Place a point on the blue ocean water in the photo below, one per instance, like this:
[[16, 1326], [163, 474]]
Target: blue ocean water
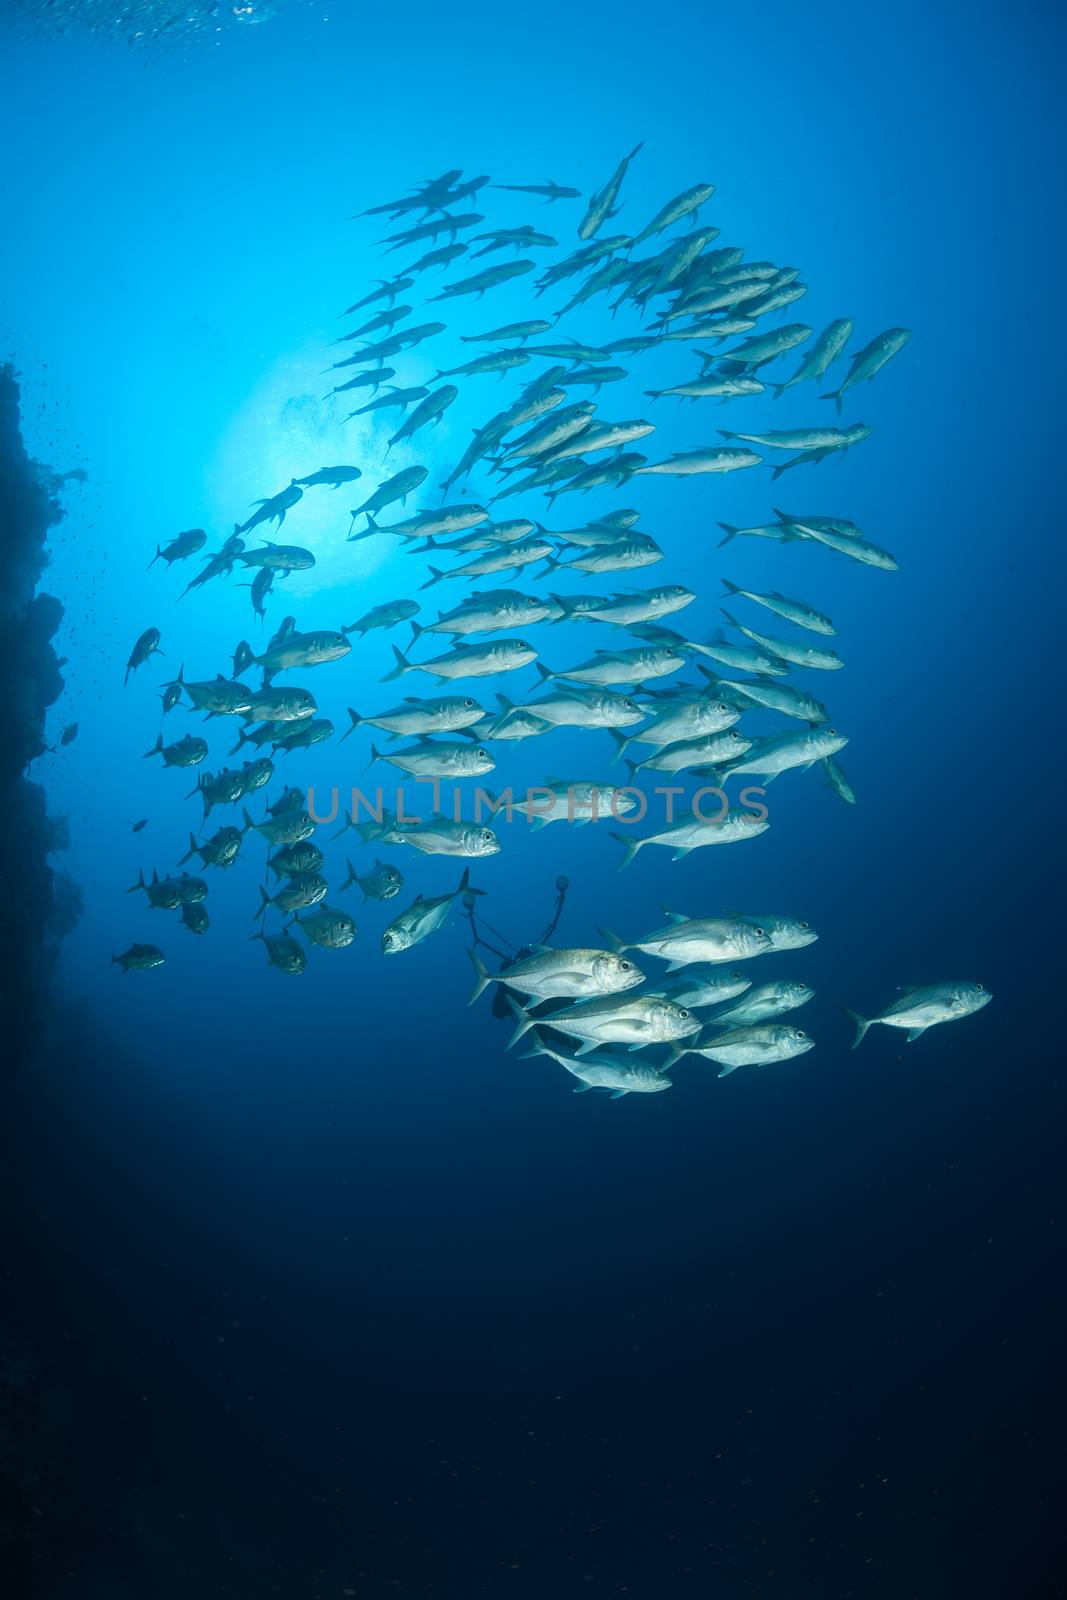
[[370, 1304]]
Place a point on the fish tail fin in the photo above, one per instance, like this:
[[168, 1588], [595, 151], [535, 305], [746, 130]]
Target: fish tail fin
[[248, 820], [677, 1052], [630, 848], [622, 744], [356, 720], [151, 564], [416, 629], [862, 1024], [402, 665], [612, 940], [729, 530], [632, 767], [465, 884], [835, 396], [731, 588], [190, 852], [264, 904], [483, 978], [353, 875], [140, 884], [437, 576], [525, 1021], [545, 672], [156, 748], [375, 755]]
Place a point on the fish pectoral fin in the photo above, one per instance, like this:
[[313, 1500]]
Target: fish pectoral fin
[[915, 1033]]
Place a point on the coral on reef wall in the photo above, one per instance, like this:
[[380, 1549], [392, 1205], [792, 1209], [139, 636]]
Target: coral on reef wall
[[30, 681]]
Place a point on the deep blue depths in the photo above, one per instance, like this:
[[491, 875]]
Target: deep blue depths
[[449, 1329]]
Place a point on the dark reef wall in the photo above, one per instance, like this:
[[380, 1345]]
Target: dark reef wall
[[36, 908]]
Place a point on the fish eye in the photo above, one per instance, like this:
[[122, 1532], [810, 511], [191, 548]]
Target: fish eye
[[978, 988], [624, 966], [483, 754], [487, 835], [723, 708], [832, 732], [803, 925], [468, 705], [761, 933], [683, 1013], [797, 1034]]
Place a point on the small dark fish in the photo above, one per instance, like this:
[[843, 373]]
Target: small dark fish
[[188, 752], [221, 850], [273, 509], [147, 645], [171, 697], [139, 958], [551, 191], [398, 487], [430, 410], [290, 799], [481, 281], [384, 319], [365, 380], [259, 589], [334, 477], [381, 883], [441, 257], [69, 734], [293, 859], [184, 545], [135, 827], [395, 397], [243, 656], [219, 565], [386, 615], [283, 952], [430, 230], [390, 288]]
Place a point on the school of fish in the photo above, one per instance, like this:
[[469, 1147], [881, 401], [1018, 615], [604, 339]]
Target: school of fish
[[681, 988]]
